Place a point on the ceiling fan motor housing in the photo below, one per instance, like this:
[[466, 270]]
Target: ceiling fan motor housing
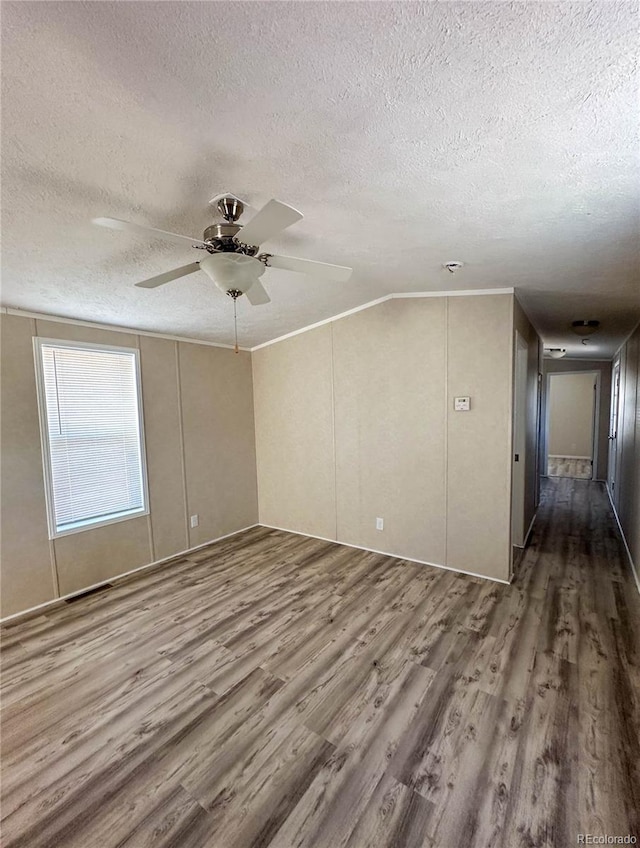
[[221, 236]]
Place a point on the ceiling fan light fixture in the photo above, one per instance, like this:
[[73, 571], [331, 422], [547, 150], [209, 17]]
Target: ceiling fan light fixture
[[232, 271], [585, 328], [556, 352], [232, 261]]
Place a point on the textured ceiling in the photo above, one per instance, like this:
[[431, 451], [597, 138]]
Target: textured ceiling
[[504, 135]]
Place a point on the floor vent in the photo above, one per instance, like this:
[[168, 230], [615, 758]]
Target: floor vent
[[88, 592]]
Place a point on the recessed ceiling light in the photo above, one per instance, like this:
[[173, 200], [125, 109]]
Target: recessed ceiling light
[[584, 328]]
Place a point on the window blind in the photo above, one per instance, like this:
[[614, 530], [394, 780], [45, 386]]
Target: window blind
[[93, 428]]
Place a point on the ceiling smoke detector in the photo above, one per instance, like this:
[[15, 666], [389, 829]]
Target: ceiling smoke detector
[[585, 328], [453, 266], [556, 352]]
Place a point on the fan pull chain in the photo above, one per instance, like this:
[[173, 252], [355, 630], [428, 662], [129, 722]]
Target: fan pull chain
[[234, 294], [235, 325]]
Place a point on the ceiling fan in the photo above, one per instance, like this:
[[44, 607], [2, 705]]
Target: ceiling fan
[[234, 261]]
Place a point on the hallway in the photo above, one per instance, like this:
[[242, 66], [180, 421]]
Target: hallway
[[276, 690], [584, 694]]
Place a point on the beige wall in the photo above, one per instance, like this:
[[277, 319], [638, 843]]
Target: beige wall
[[26, 574], [571, 400], [200, 446], [603, 367], [390, 413], [219, 440], [480, 364], [293, 390], [355, 420], [626, 495], [531, 473]]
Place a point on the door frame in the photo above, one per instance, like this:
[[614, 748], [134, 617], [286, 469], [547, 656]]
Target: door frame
[[520, 416], [612, 471], [594, 423]]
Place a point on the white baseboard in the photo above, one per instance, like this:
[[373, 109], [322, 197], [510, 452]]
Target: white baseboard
[[624, 539], [528, 533], [388, 553], [41, 607]]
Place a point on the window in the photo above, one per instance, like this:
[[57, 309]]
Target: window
[[91, 426]]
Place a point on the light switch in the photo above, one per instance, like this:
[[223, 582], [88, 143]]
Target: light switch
[[462, 404]]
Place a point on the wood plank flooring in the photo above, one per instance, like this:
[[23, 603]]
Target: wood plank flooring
[[274, 690]]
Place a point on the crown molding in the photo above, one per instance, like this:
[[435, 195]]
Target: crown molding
[[371, 303], [457, 293], [323, 322], [41, 316], [78, 322]]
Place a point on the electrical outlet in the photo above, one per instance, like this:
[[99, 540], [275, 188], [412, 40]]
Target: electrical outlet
[[195, 520], [379, 523]]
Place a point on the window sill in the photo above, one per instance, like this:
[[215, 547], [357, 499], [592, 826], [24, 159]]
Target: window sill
[[93, 524]]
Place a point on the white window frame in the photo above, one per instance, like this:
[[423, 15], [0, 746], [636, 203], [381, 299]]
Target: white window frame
[[89, 523]]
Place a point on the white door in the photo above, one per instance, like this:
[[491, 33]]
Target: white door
[[518, 474], [613, 430]]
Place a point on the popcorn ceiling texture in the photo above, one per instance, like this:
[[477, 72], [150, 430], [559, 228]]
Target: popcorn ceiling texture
[[502, 134]]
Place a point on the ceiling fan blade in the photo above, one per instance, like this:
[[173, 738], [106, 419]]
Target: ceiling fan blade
[[339, 273], [127, 226], [268, 222], [161, 279], [257, 294]]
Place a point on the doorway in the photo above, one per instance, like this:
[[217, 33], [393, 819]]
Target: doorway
[[572, 400], [613, 429]]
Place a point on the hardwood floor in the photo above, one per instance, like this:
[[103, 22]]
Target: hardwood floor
[[274, 690]]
